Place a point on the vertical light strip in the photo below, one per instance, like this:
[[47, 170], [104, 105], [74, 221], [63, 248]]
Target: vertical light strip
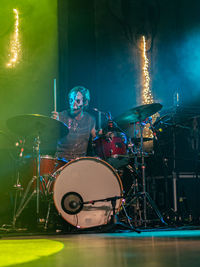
[[15, 44], [147, 97]]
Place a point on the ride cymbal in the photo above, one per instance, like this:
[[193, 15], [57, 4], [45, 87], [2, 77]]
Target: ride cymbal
[[36, 125], [138, 114]]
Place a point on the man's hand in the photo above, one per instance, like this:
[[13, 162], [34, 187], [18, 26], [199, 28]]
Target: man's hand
[[95, 133], [55, 115]]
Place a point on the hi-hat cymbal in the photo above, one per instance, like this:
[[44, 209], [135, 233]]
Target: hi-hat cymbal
[[138, 114], [36, 125]]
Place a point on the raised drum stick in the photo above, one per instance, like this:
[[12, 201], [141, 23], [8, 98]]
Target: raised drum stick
[[99, 119], [55, 96]]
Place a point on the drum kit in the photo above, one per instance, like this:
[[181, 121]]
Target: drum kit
[[90, 191]]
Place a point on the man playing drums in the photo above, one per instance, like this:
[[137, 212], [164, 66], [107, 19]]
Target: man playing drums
[[80, 123]]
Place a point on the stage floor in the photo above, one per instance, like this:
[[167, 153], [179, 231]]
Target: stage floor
[[152, 248]]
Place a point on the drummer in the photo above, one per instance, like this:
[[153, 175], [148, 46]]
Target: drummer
[[81, 125]]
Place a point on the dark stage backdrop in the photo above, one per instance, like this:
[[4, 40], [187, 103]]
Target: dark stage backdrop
[[98, 48]]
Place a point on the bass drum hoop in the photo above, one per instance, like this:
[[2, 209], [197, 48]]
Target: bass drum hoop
[[68, 217]]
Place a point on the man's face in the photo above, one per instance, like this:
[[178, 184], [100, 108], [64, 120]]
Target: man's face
[[75, 102]]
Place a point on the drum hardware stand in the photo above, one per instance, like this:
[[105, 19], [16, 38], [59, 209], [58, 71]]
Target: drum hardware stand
[[132, 192], [174, 174], [53, 176], [47, 217], [17, 186], [145, 194], [114, 221], [134, 187], [25, 200]]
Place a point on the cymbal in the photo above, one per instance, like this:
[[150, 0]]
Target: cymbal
[[138, 114], [36, 125]]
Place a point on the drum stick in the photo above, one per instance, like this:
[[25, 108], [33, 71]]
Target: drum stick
[[99, 119], [55, 96]]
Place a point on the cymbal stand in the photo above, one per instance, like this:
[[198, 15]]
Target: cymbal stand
[[26, 199], [17, 186], [37, 149], [133, 168], [144, 193], [143, 173]]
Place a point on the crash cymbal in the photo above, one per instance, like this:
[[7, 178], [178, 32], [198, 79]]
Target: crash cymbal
[[138, 114], [36, 125]]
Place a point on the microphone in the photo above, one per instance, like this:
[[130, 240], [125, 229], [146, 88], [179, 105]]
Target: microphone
[[99, 111]]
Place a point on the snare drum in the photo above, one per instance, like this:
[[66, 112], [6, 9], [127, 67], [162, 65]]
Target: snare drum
[[85, 180], [110, 145]]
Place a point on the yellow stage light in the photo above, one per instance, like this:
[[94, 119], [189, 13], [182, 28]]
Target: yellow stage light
[[15, 43], [13, 252], [147, 97]]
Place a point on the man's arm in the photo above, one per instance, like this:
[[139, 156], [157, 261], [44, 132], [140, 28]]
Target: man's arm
[[93, 132]]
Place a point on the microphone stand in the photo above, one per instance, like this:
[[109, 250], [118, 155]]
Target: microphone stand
[[99, 116], [114, 219]]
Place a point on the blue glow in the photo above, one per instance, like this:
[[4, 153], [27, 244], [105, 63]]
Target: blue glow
[[189, 56], [179, 233]]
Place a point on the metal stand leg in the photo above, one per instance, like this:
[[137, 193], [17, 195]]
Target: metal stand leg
[[47, 217], [174, 180], [144, 190], [114, 219], [128, 218], [37, 149], [24, 201], [146, 196]]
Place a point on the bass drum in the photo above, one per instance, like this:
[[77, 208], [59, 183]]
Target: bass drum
[[86, 180]]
